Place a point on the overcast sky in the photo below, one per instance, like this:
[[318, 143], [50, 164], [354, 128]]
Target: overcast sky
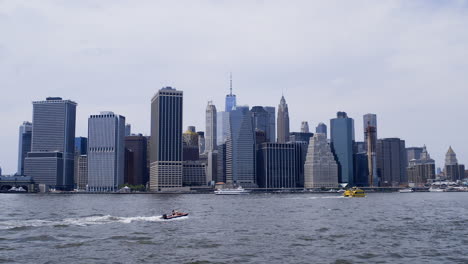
[[406, 61]]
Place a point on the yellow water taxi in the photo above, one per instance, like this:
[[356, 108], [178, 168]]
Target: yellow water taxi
[[354, 192]]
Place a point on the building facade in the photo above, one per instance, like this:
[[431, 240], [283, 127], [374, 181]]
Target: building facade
[[24, 145], [283, 121], [194, 173], [322, 129], [370, 145], [342, 143], [240, 148], [82, 173], [391, 162], [321, 168], [413, 153], [453, 170], [136, 171], [191, 145], [211, 129], [53, 135], [277, 165], [166, 139], [421, 170], [106, 152]]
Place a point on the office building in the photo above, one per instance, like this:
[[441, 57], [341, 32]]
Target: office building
[[222, 127], [194, 173], [296, 137], [240, 148], [361, 170], [51, 160], [128, 130], [264, 120], [421, 170], [453, 171], [277, 165], [136, 171], [106, 152], [211, 129], [322, 129], [81, 148], [391, 162], [271, 132], [283, 121], [24, 145], [305, 127], [342, 143], [166, 139], [370, 144], [221, 164], [82, 173], [321, 168], [413, 153], [191, 146]]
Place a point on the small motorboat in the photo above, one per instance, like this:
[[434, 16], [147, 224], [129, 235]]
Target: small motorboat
[[174, 214]]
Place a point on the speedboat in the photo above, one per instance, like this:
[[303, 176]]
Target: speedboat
[[354, 192], [174, 214], [238, 190], [406, 190]]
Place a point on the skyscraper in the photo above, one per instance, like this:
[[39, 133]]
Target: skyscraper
[[222, 127], [370, 144], [322, 129], [391, 162], [321, 168], [81, 148], [230, 98], [271, 132], [283, 121], [51, 160], [305, 127], [190, 144], [106, 151], [137, 173], [128, 130], [421, 170], [277, 165], [201, 142], [211, 130], [240, 148], [453, 170], [166, 139], [342, 142], [24, 145], [413, 153], [264, 120]]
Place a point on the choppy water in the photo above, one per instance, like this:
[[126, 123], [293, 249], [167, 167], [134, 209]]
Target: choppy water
[[256, 228]]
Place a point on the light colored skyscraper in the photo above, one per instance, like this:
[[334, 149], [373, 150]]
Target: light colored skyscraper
[[106, 151], [222, 127], [51, 160], [342, 142], [24, 145], [166, 139], [453, 171], [211, 129], [421, 170], [240, 148], [322, 129], [321, 168], [283, 121], [305, 127]]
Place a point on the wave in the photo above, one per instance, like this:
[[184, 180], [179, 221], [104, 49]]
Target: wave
[[81, 221]]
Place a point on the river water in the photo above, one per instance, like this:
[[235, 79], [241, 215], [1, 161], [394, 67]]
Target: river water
[[255, 228]]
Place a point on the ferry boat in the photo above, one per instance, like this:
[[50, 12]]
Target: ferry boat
[[228, 191], [354, 192], [406, 190]]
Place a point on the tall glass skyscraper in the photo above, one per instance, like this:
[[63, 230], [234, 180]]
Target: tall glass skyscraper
[[24, 145], [211, 129], [230, 98], [166, 139], [240, 148], [342, 142], [51, 160], [106, 151]]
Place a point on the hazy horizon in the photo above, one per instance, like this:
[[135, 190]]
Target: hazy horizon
[[405, 61]]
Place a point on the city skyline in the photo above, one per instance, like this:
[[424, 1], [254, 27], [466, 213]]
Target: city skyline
[[389, 79]]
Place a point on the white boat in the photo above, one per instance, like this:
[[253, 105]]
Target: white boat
[[406, 190], [340, 191], [228, 191], [436, 190]]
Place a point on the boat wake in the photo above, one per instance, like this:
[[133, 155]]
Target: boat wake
[[81, 221]]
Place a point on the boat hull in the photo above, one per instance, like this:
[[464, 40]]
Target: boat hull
[[169, 217]]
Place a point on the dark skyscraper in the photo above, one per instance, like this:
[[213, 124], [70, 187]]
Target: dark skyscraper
[[421, 170], [271, 133], [81, 148], [262, 119], [370, 144], [277, 165], [342, 142], [166, 139], [230, 98], [51, 160], [190, 144], [322, 129], [391, 162], [283, 121], [24, 145], [137, 172], [453, 170]]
